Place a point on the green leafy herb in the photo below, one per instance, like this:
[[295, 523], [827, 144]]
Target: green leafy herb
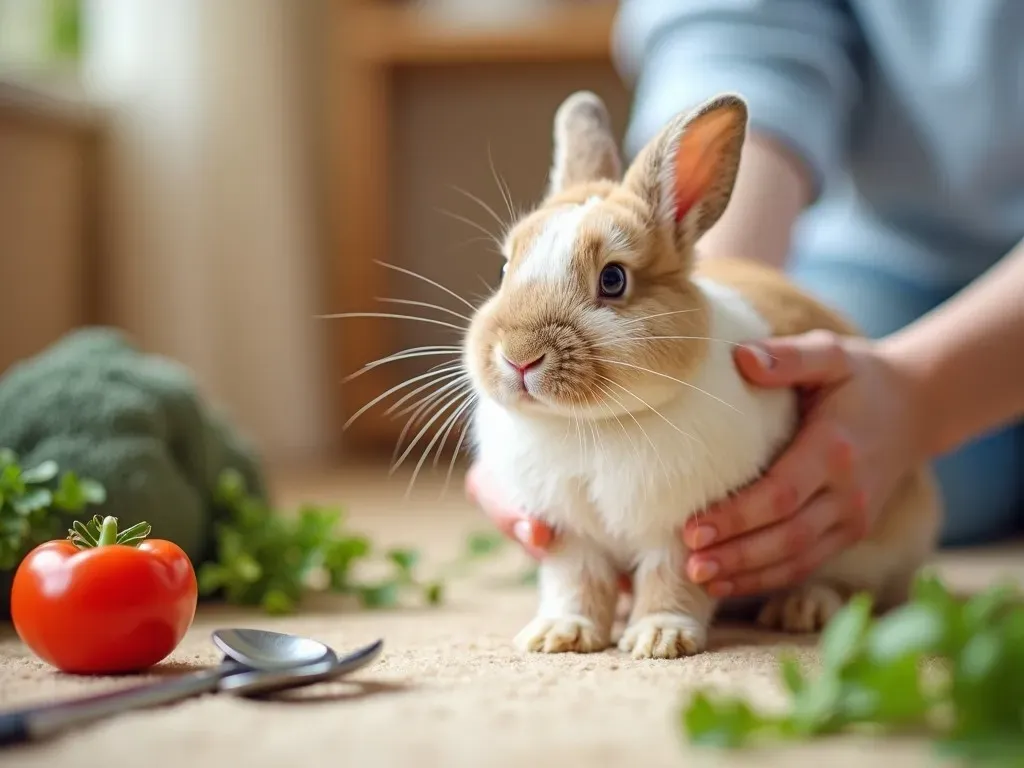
[[949, 667], [272, 559], [29, 499]]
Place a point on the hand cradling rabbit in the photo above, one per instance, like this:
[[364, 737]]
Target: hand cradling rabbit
[[608, 402]]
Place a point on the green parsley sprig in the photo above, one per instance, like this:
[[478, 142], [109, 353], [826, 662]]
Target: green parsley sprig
[[267, 558], [28, 498], [950, 668]]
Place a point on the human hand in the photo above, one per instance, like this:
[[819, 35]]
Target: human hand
[[534, 536], [859, 433]]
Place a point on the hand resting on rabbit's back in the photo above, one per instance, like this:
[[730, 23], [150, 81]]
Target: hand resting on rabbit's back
[[608, 401]]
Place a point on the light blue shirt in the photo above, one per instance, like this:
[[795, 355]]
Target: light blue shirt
[[909, 113]]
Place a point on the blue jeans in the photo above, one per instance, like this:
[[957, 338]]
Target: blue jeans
[[983, 481]]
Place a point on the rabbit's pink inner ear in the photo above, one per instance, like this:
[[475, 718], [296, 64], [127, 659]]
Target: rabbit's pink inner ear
[[707, 159]]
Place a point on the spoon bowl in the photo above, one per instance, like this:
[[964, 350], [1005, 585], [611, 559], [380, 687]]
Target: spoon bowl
[[267, 651], [263, 683]]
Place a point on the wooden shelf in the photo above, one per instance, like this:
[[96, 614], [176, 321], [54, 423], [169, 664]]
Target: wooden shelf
[[372, 39], [397, 35]]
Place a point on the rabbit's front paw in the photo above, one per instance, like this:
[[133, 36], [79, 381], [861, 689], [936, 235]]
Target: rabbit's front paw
[[566, 634], [664, 636], [807, 608]]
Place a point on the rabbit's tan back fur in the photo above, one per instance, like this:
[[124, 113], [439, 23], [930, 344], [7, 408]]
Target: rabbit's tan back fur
[[616, 415]]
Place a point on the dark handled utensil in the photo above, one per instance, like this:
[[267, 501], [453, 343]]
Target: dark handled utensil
[[247, 652]]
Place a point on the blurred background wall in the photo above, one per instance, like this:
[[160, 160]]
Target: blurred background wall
[[210, 175]]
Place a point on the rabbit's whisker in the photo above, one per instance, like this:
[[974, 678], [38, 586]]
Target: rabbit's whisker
[[506, 193], [452, 400], [665, 375], [428, 305], [636, 450], [655, 411], [635, 320], [406, 354], [423, 406], [455, 457], [470, 223], [640, 426], [501, 223], [466, 401], [676, 338], [387, 315], [427, 280], [453, 378], [407, 382]]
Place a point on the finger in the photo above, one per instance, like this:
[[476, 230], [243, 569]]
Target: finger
[[625, 583], [534, 536], [788, 573], [817, 357], [819, 456], [768, 546]]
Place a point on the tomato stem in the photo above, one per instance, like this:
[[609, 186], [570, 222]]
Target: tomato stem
[[108, 532], [102, 532]]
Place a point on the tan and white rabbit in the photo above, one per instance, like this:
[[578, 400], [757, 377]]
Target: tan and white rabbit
[[609, 403]]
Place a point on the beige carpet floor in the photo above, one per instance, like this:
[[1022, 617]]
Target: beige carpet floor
[[450, 689]]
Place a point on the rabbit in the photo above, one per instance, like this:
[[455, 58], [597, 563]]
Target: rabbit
[[608, 402]]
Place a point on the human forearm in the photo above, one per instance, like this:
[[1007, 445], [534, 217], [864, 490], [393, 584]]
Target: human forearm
[[772, 189], [963, 361], [795, 64]]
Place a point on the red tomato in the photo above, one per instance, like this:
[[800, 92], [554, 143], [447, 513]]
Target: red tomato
[[101, 602]]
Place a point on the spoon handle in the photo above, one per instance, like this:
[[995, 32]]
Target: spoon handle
[[38, 722]]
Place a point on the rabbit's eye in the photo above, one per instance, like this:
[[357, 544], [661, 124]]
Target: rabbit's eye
[[612, 283], [504, 269]]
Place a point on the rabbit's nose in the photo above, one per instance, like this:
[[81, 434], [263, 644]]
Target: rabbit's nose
[[522, 366]]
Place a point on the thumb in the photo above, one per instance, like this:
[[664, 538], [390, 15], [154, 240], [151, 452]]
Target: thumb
[[817, 357]]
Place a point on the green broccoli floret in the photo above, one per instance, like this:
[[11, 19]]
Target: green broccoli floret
[[135, 422]]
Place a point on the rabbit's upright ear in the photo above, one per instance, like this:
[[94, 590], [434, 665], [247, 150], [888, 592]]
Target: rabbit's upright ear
[[585, 149], [686, 174]]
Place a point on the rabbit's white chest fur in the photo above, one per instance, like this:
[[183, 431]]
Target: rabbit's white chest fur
[[628, 484]]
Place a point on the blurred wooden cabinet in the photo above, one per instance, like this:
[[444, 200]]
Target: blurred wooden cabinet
[[421, 108], [48, 227]]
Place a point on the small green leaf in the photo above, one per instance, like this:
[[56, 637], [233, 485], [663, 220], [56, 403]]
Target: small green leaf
[[912, 629], [981, 609], [383, 595], [43, 473], [700, 716], [68, 495], [277, 602], [10, 480], [481, 544], [93, 492], [792, 675], [842, 638], [728, 723], [211, 577], [814, 709], [246, 568], [433, 593], [35, 500], [230, 486], [404, 559], [7, 458], [980, 657]]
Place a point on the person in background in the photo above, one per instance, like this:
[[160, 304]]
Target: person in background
[[884, 172]]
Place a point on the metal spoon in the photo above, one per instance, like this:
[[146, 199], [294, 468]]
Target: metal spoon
[[245, 649], [262, 683]]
